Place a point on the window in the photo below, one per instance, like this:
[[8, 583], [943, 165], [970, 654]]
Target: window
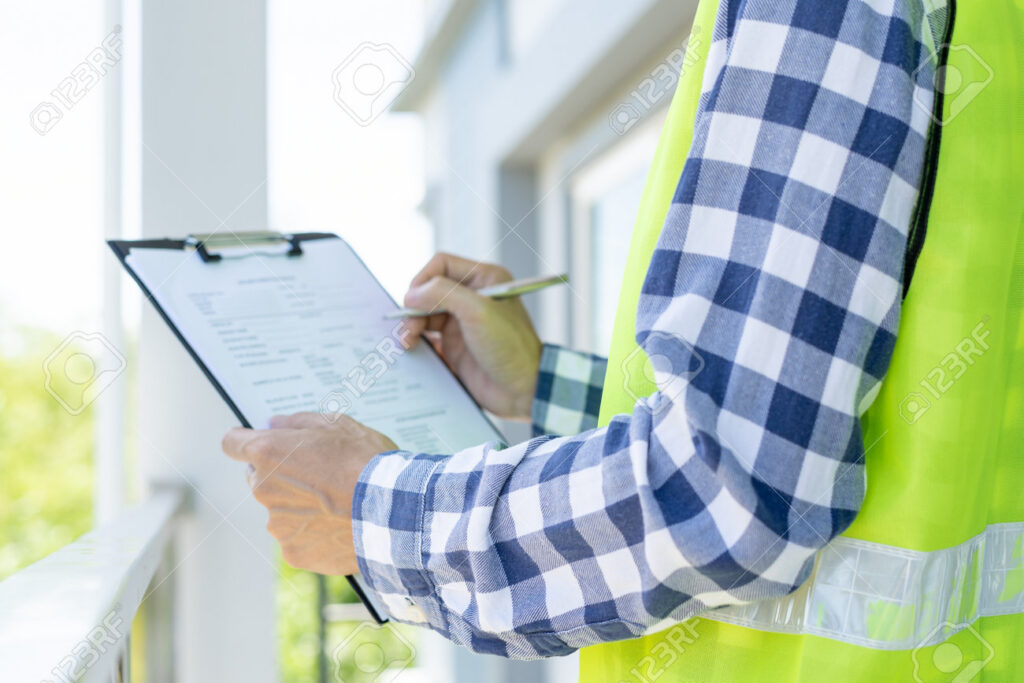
[[524, 21], [605, 198]]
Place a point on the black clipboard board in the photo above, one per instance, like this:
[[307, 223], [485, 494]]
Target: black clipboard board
[[206, 247]]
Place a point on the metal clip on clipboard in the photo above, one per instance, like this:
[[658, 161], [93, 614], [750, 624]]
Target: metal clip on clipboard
[[207, 244]]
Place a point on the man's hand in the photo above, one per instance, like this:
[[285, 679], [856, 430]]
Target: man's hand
[[491, 345], [305, 471]]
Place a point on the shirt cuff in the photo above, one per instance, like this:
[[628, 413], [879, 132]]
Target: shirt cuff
[[387, 532], [569, 387]]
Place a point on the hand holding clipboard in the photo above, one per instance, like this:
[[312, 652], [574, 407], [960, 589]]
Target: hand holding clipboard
[[290, 323]]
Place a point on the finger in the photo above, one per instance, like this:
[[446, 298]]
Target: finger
[[260, 447], [305, 420], [444, 265], [284, 524], [234, 442], [414, 328], [437, 343], [267, 490], [440, 292], [344, 423], [473, 274], [409, 334], [436, 323]]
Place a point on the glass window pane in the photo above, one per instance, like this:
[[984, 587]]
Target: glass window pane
[[611, 220]]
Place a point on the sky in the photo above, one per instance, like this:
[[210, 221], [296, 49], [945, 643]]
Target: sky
[[326, 172], [50, 185]]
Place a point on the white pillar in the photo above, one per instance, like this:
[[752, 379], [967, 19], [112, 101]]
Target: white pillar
[[204, 168], [108, 500]]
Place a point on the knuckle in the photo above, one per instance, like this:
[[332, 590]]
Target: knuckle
[[256, 448], [498, 273], [305, 419], [434, 264], [289, 555], [275, 526], [432, 291], [425, 292], [411, 296], [345, 424], [259, 492]]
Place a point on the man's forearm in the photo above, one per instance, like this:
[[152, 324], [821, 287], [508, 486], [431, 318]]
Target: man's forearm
[[776, 271]]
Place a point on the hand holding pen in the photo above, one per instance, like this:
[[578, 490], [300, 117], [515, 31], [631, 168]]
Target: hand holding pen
[[472, 314]]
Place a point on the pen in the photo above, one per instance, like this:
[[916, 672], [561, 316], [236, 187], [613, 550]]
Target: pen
[[505, 290]]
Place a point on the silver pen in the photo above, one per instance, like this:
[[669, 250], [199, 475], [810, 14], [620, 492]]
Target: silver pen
[[505, 290]]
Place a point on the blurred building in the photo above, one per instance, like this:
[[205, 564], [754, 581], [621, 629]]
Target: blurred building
[[542, 117]]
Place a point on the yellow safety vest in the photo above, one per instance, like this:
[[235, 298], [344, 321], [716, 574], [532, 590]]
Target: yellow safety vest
[[928, 582]]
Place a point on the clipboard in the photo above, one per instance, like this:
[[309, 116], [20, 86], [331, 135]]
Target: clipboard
[[209, 251], [212, 249]]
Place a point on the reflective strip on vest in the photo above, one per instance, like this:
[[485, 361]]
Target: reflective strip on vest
[[889, 598]]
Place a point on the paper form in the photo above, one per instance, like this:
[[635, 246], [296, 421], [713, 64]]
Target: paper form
[[287, 334]]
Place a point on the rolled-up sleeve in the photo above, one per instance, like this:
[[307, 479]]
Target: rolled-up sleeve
[[769, 312]]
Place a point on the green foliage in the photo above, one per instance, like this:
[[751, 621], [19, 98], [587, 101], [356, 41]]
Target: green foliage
[[356, 651], [359, 652], [46, 472], [46, 485], [298, 636]]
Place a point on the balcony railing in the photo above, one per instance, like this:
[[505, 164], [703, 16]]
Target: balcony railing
[[68, 617]]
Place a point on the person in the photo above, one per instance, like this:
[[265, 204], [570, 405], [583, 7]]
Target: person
[[809, 520]]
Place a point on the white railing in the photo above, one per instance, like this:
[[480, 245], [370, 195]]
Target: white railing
[[67, 618]]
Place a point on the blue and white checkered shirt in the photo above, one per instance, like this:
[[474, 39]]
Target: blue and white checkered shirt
[[771, 303]]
